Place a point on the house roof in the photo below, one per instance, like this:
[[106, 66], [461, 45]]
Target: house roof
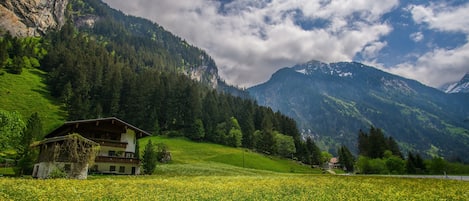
[[67, 126], [63, 138]]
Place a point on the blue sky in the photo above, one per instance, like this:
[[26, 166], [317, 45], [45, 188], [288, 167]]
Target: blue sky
[[250, 40]]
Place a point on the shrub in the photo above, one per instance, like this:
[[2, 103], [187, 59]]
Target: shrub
[[162, 154], [57, 173]]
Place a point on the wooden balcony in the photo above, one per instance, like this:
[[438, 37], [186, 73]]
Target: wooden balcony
[[110, 143], [113, 159]]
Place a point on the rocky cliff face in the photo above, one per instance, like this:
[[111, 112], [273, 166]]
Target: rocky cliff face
[[32, 17]]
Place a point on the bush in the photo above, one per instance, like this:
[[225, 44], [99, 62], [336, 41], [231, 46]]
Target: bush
[[372, 166], [163, 155], [57, 173], [395, 165], [438, 166]]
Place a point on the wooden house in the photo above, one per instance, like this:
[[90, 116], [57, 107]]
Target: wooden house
[[117, 142]]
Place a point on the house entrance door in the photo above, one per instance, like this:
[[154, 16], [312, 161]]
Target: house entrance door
[[133, 170]]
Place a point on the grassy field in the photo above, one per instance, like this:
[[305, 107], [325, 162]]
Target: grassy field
[[7, 171], [203, 171], [274, 186], [27, 93], [187, 152]]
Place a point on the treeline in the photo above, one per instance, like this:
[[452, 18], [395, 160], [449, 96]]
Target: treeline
[[116, 69], [94, 78], [92, 82], [381, 155], [18, 53]]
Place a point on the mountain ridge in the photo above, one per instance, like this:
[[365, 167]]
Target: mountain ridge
[[333, 101], [26, 18]]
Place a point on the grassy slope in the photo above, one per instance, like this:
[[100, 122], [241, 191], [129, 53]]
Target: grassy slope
[[192, 158], [26, 94]]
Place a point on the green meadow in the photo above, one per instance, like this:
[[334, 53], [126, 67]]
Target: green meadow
[[219, 159], [26, 93]]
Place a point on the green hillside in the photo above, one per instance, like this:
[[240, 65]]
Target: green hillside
[[26, 94], [193, 158]]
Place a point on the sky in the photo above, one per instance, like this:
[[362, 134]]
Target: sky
[[250, 40]]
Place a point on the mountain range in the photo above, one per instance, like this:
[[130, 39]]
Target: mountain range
[[330, 102], [333, 101]]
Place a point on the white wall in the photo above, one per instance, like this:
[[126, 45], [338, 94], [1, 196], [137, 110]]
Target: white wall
[[129, 137], [105, 168], [42, 170], [104, 150]]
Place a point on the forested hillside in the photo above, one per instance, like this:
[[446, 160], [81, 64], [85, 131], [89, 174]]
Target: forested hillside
[[103, 63], [333, 101]]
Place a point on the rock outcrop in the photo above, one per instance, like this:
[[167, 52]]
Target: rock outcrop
[[32, 17]]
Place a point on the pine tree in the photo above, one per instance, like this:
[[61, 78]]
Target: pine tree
[[149, 158], [268, 140], [410, 164], [196, 132], [377, 144], [392, 146], [32, 132], [363, 143], [314, 152], [346, 158], [4, 56]]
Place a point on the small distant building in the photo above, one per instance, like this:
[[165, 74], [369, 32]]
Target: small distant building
[[334, 163], [110, 144]]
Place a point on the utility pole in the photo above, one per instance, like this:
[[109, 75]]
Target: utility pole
[[243, 157]]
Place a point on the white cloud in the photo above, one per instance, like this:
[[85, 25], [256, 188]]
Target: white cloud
[[439, 66], [417, 36], [442, 17], [253, 39]]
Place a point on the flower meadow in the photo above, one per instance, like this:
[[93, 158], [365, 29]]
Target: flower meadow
[[251, 187]]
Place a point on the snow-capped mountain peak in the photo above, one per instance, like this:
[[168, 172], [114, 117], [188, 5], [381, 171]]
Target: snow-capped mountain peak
[[459, 87], [333, 69]]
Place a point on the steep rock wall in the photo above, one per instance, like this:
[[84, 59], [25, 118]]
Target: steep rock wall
[[32, 17]]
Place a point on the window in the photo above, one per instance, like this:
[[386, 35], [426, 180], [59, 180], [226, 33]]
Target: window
[[67, 167], [121, 169], [115, 138], [112, 153], [129, 154], [112, 168]]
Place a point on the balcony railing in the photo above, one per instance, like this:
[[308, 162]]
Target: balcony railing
[[110, 143], [113, 159]]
